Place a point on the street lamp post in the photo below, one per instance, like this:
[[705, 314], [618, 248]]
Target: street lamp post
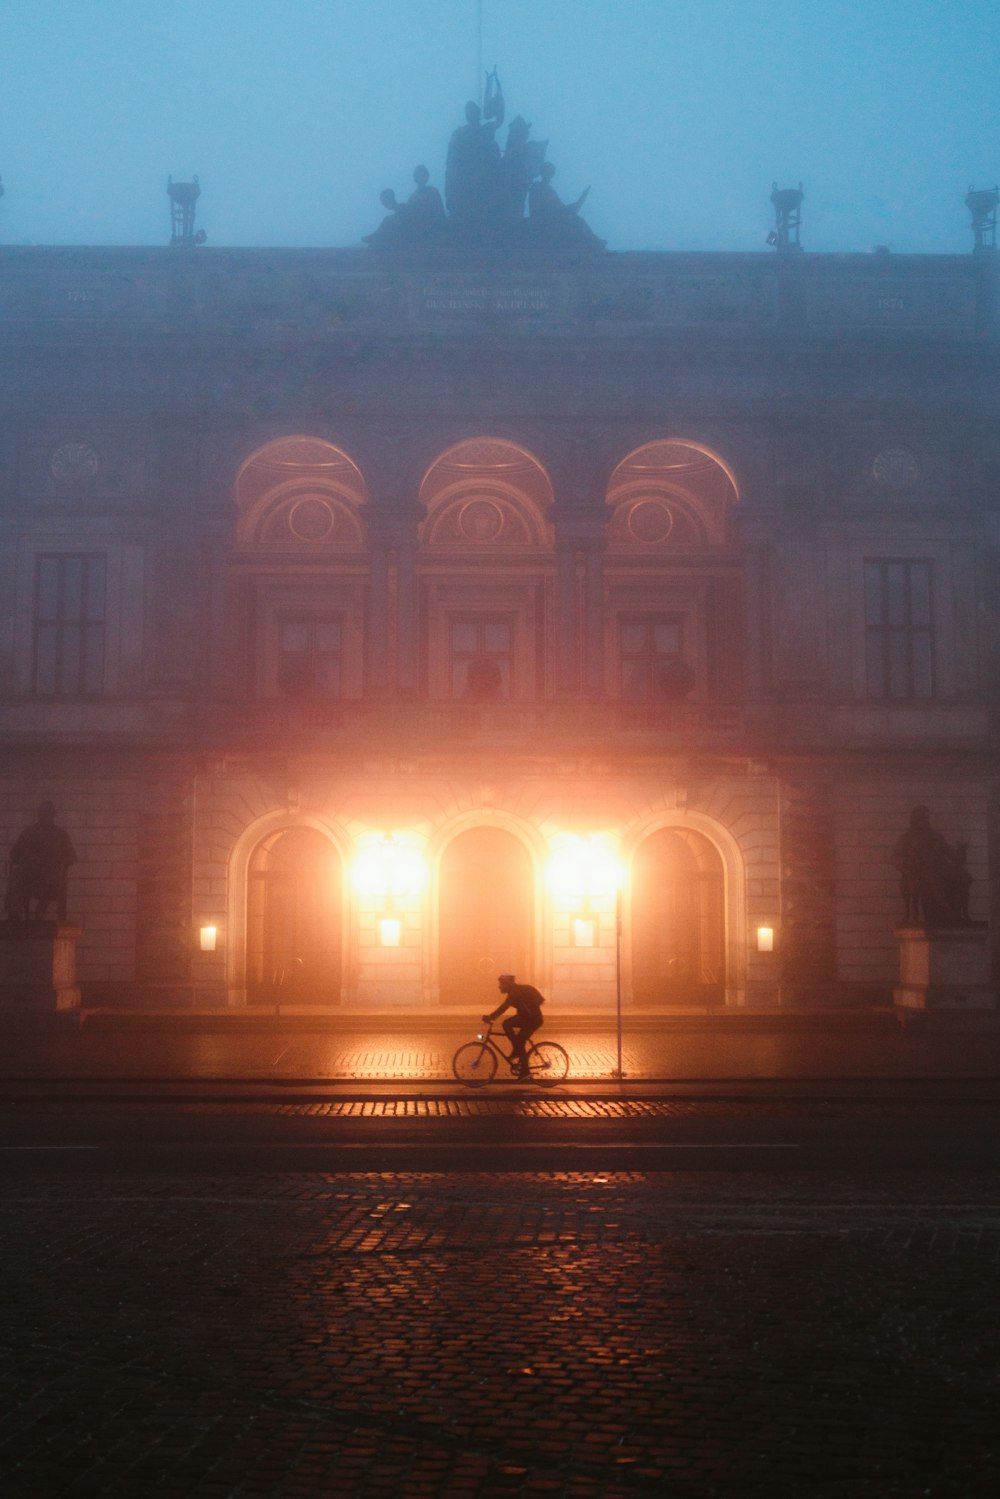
[[619, 1070]]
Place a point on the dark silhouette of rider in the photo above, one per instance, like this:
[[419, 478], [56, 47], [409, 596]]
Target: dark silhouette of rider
[[526, 1002]]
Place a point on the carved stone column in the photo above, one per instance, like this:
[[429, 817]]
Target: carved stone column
[[407, 620], [808, 921], [164, 931], [593, 618], [566, 618], [377, 619]]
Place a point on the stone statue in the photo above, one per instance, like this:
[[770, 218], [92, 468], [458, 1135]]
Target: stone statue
[[39, 862], [551, 218], [934, 880], [420, 220], [473, 185], [487, 193], [521, 163]]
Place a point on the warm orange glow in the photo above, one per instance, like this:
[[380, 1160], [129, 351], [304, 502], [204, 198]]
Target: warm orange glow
[[765, 939], [584, 871], [387, 868], [584, 934], [207, 936], [390, 930]]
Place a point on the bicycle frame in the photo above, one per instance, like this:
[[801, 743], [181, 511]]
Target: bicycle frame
[[493, 1043], [547, 1062]]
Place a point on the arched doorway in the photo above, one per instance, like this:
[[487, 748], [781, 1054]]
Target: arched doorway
[[293, 920], [485, 914], [678, 920]]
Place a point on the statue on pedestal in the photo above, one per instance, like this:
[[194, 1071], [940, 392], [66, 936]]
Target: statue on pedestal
[[934, 880], [418, 221], [487, 193], [39, 862]]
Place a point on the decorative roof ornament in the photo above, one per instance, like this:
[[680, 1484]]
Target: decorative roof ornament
[[787, 203], [183, 197], [982, 205], [494, 198]]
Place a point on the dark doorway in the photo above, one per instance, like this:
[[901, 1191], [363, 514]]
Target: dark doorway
[[293, 920], [678, 937], [485, 907]]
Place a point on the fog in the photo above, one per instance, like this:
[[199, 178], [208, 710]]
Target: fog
[[678, 114]]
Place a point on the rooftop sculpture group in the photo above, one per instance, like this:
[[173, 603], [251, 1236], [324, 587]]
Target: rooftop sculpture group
[[491, 196]]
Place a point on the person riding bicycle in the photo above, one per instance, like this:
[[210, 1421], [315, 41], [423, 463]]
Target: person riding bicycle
[[526, 1002]]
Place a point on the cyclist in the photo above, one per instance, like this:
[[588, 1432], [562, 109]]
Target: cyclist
[[526, 1002]]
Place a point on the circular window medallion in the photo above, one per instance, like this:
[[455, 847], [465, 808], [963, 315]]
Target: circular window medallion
[[650, 522], [74, 463], [311, 519], [480, 520], [895, 468]]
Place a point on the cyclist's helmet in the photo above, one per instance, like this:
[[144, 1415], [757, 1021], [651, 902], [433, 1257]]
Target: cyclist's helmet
[[506, 978]]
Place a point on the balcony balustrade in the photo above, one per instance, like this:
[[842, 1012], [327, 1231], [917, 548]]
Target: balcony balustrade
[[607, 724]]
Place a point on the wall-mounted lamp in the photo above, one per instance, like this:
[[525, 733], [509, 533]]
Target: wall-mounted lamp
[[584, 931], [390, 930], [386, 871], [207, 938], [765, 939]]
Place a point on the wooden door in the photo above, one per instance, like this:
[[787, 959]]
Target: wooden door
[[486, 899], [293, 926]]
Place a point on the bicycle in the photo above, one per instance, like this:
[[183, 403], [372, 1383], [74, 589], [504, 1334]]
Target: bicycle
[[475, 1062]]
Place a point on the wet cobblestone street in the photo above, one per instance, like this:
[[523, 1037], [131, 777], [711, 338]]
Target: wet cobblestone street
[[578, 1333]]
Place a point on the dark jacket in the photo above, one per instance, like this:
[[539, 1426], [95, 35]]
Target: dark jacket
[[526, 1000]]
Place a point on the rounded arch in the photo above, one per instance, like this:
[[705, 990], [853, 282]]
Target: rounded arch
[[486, 905], [486, 491], [729, 915], [302, 492], [671, 494], [262, 835]]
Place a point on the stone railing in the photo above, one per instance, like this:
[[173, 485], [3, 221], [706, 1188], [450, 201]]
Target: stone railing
[[525, 724]]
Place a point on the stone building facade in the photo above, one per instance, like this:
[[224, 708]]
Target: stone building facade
[[403, 622]]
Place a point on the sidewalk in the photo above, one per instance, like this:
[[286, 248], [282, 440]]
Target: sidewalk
[[404, 1048]]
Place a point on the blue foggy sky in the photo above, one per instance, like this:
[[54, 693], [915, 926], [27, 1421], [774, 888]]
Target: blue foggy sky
[[678, 113]]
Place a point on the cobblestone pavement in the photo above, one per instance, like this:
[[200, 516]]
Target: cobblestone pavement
[[574, 1334]]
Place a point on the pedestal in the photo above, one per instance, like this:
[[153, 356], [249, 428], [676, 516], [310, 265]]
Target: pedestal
[[38, 966], [944, 968]]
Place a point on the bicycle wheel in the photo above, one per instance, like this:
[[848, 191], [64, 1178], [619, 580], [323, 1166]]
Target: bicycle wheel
[[474, 1064], [548, 1062]]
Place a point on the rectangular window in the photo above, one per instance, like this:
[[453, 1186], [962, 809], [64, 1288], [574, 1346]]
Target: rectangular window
[[481, 649], [899, 640], [652, 665], [69, 626], [310, 655]]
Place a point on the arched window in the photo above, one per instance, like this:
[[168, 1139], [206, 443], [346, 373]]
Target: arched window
[[300, 569], [672, 577], [486, 493], [485, 545], [303, 493], [670, 495]]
